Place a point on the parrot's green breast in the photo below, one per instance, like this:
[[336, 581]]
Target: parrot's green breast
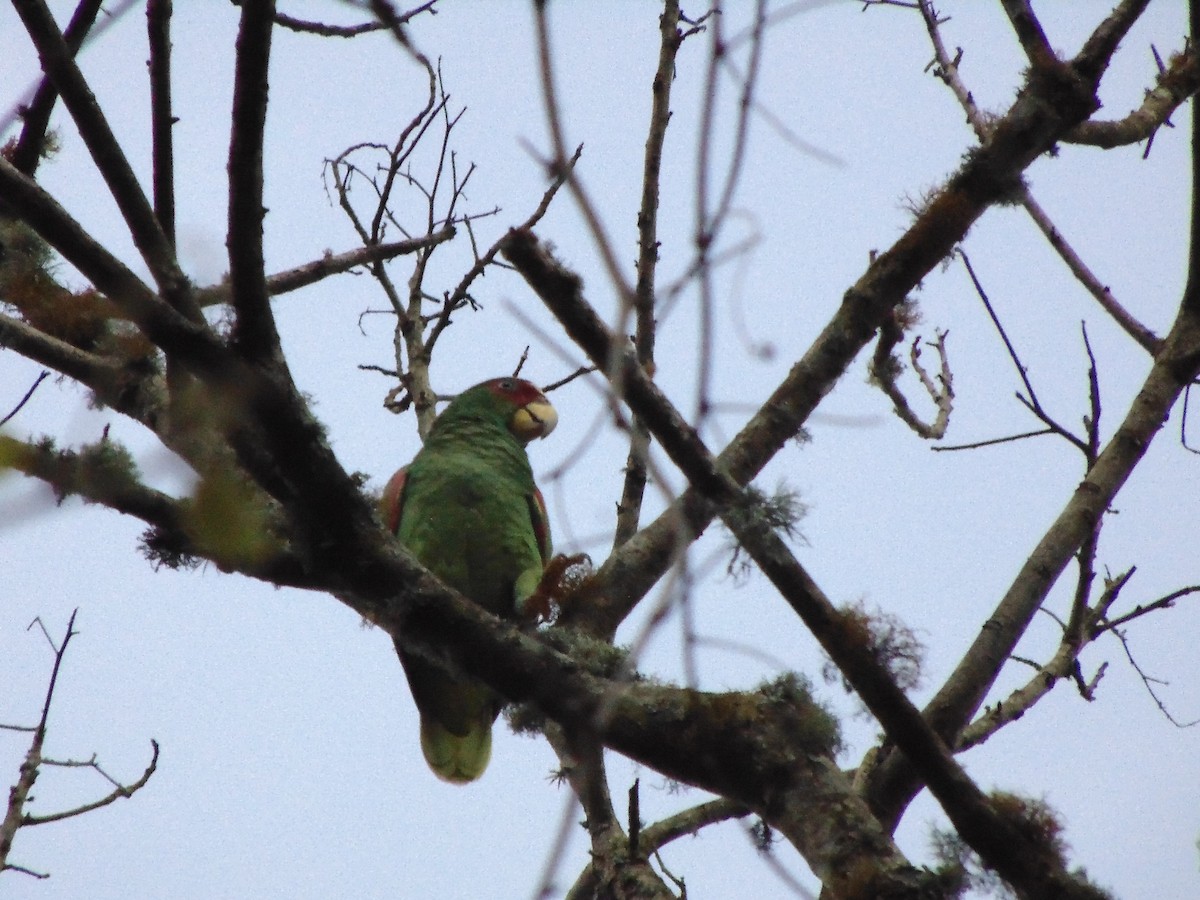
[[467, 519]]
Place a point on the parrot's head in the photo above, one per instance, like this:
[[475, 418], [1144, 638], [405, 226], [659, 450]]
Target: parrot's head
[[526, 412]]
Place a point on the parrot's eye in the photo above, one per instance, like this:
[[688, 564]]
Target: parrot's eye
[[507, 384]]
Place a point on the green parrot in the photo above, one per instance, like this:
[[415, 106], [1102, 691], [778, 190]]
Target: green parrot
[[468, 509]]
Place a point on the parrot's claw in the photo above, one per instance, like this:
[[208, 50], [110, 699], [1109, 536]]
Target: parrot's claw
[[557, 583]]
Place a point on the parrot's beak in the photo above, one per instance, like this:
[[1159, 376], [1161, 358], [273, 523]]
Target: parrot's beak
[[534, 420]]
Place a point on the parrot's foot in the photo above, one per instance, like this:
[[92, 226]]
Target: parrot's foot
[[559, 580]]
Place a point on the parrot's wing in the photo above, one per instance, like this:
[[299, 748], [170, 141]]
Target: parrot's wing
[[391, 504], [541, 524]]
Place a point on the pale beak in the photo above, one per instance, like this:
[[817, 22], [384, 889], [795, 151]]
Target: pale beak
[[533, 420]]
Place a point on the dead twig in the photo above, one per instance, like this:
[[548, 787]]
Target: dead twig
[[19, 797]]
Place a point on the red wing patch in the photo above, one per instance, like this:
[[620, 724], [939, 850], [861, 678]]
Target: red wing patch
[[541, 523], [391, 504]]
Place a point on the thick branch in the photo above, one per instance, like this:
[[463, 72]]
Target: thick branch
[[254, 333], [87, 368], [761, 749], [1097, 51], [102, 474], [1029, 33]]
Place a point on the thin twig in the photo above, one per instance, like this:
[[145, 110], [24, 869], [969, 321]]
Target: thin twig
[[323, 29], [42, 376], [1031, 402]]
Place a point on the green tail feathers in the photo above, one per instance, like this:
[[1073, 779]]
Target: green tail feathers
[[458, 759]]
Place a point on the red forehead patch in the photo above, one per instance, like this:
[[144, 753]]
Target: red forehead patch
[[517, 390]]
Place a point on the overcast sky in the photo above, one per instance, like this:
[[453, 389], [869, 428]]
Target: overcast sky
[[290, 762]]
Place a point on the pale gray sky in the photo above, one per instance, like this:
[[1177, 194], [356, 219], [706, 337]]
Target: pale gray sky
[[290, 763]]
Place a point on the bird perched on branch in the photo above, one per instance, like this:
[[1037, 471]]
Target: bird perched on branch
[[468, 509]]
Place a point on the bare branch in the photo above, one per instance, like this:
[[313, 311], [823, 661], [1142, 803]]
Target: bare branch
[[120, 791], [1149, 682], [1030, 127], [947, 70], [42, 376], [1004, 847], [1176, 365], [1031, 403], [558, 165], [975, 445], [158, 27], [884, 369], [629, 507], [1064, 663], [254, 335], [144, 227], [32, 142], [1097, 51], [323, 29], [1029, 33], [1175, 84], [331, 264], [18, 794], [1165, 602], [689, 822], [1103, 295]]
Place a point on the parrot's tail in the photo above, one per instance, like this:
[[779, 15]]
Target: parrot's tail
[[458, 759]]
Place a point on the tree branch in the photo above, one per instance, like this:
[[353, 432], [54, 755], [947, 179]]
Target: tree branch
[[97, 372], [120, 791], [690, 821], [1177, 363], [1051, 103], [158, 28], [1029, 33], [254, 334], [998, 841], [59, 65], [330, 264], [947, 70], [629, 507], [32, 142], [1174, 85], [1097, 51], [18, 794], [187, 340]]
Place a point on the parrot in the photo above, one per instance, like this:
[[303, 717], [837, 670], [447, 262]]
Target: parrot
[[468, 509]]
